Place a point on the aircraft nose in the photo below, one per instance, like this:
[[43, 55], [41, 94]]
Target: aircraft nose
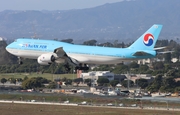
[[8, 48]]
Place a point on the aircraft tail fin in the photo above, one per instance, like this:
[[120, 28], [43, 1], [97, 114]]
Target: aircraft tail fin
[[148, 39]]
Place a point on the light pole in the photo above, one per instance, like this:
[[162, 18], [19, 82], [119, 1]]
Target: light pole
[[43, 99], [167, 106], [141, 104], [21, 98], [91, 102], [115, 103]]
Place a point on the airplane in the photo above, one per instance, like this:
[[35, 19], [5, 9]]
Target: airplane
[[49, 51]]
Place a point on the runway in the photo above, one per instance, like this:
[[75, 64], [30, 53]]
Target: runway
[[159, 99], [74, 104]]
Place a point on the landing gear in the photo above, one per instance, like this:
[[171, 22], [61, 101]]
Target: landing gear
[[82, 68], [67, 67], [20, 61], [79, 67], [85, 67]]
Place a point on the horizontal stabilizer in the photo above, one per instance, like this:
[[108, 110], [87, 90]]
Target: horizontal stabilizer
[[159, 48], [165, 52]]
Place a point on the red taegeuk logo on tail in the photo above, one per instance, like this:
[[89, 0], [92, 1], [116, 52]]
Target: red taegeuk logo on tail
[[148, 39]]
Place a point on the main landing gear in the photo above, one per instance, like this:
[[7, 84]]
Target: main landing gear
[[67, 67], [79, 67], [82, 67], [20, 61]]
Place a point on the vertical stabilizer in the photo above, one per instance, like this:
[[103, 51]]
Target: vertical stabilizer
[[148, 39]]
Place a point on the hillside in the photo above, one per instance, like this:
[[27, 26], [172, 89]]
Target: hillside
[[5, 57], [123, 21]]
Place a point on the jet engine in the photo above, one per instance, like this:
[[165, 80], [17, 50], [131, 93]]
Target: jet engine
[[46, 59]]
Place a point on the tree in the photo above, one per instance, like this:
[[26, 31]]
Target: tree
[[25, 78], [19, 79], [107, 44], [168, 84], [156, 84], [3, 80], [101, 81], [121, 68], [88, 82], [125, 83], [68, 82], [143, 68], [143, 83], [90, 42], [176, 52], [78, 80], [67, 40], [12, 80], [168, 57], [171, 72], [63, 79], [42, 80], [32, 83], [177, 89], [134, 65], [52, 85], [114, 83], [103, 68], [158, 65]]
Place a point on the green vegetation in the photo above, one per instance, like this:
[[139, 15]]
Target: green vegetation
[[48, 76], [102, 81]]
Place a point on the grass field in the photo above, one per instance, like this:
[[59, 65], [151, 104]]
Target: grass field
[[45, 75], [29, 109]]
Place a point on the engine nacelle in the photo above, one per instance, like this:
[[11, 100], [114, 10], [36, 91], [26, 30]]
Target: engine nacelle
[[46, 59], [42, 63]]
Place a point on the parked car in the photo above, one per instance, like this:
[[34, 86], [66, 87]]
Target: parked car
[[110, 104], [121, 105]]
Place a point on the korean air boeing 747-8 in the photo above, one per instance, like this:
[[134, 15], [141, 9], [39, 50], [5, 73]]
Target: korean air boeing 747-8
[[49, 51]]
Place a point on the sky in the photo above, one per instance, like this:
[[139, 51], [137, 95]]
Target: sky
[[51, 4]]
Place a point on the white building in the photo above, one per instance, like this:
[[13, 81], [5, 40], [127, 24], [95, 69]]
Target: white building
[[95, 75], [134, 77]]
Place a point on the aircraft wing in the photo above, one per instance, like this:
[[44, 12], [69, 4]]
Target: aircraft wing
[[61, 54]]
